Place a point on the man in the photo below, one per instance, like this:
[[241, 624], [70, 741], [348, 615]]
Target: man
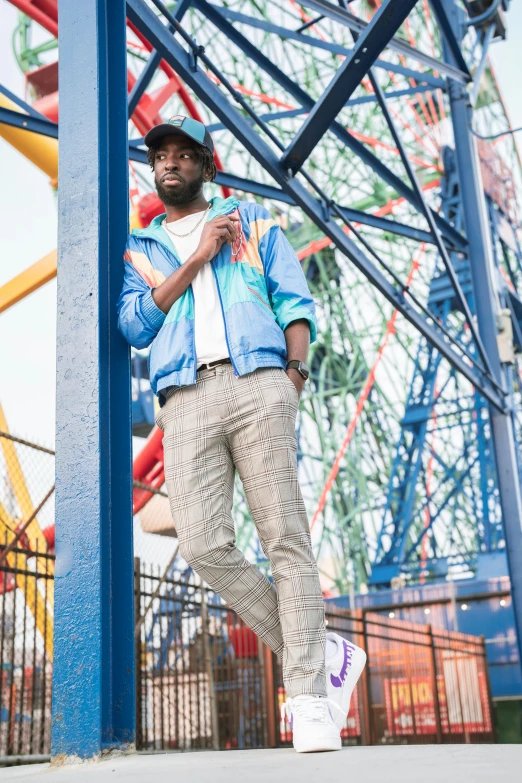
[[217, 292]]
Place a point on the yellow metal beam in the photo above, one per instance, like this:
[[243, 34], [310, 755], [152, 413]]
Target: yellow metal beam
[[28, 281], [40, 150], [43, 152]]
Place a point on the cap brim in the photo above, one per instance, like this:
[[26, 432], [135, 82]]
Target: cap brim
[[159, 131]]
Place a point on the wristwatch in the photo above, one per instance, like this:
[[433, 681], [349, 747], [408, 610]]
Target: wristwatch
[[301, 368]]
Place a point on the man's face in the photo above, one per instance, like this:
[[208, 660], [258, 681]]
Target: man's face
[[177, 171]]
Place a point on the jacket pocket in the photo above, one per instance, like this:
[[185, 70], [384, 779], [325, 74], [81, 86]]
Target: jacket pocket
[[288, 380], [258, 295], [157, 417]]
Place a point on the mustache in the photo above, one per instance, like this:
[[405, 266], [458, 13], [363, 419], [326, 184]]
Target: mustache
[[171, 176], [186, 191]]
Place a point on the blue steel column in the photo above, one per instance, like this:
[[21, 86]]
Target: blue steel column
[[486, 304], [93, 686]]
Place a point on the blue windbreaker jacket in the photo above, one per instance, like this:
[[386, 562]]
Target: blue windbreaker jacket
[[262, 290]]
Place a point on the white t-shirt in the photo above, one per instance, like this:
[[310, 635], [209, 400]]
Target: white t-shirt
[[211, 342]]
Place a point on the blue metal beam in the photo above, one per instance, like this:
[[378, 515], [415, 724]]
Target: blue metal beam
[[356, 25], [355, 215], [404, 556], [289, 113], [368, 47], [143, 81], [371, 160], [19, 102], [29, 122], [481, 67], [174, 53], [407, 463], [153, 62], [449, 36], [93, 677], [428, 214], [486, 303], [329, 46]]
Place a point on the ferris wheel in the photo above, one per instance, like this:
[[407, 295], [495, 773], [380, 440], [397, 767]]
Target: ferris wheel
[[368, 467]]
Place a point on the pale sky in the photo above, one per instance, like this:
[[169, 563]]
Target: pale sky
[[28, 232]]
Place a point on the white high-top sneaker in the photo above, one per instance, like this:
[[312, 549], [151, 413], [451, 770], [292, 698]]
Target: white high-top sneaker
[[343, 669], [312, 724]]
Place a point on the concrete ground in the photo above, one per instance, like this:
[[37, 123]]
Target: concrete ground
[[394, 764]]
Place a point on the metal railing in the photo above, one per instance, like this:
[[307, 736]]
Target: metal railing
[[205, 681], [26, 666], [421, 684], [201, 680]]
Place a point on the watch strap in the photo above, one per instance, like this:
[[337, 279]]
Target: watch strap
[[301, 367]]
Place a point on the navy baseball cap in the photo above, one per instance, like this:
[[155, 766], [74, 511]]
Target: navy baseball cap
[[185, 126]]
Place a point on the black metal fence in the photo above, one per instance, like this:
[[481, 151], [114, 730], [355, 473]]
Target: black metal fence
[[204, 680], [26, 594], [25, 652], [421, 685], [201, 680]]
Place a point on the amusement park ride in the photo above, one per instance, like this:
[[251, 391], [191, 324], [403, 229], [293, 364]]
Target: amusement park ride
[[377, 135]]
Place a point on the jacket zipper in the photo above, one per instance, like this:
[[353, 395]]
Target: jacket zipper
[[224, 321], [194, 334], [194, 323], [260, 298], [177, 265]]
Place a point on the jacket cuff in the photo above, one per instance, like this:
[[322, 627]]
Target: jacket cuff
[[151, 312], [311, 323], [304, 316]]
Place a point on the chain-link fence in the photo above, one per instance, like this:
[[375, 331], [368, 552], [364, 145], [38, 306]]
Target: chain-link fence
[[26, 594], [26, 491]]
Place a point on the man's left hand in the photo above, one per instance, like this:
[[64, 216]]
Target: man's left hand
[[297, 379]]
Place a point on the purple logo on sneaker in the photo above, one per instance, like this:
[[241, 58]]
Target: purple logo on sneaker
[[348, 650]]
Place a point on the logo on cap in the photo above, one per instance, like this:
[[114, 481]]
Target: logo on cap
[[177, 120]]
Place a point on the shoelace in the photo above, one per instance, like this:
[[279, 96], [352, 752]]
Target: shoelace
[[313, 709]]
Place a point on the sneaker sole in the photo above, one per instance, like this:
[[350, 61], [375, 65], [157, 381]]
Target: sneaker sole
[[318, 746], [352, 678]]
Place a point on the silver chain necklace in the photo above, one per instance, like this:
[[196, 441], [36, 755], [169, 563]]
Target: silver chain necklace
[[182, 236]]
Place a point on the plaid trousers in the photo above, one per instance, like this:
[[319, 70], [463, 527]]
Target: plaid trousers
[[218, 425]]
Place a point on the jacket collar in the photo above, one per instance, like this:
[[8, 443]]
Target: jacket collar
[[218, 206]]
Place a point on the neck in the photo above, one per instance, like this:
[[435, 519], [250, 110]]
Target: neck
[[198, 204]]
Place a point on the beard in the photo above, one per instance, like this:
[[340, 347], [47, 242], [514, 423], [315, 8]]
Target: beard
[[181, 194]]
